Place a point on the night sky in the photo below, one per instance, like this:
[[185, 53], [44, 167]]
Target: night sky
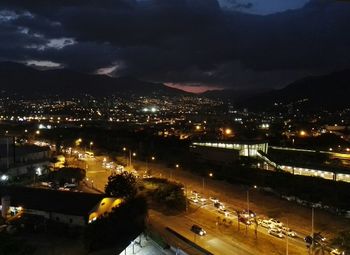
[[191, 44]]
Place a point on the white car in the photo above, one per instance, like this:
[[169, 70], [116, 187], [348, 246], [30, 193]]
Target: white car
[[288, 232], [275, 232], [194, 199], [224, 212], [265, 223], [337, 252], [276, 223], [214, 199], [203, 200]]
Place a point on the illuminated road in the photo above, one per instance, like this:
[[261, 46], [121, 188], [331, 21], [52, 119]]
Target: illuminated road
[[221, 238]]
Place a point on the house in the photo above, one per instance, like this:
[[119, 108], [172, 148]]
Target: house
[[72, 208]]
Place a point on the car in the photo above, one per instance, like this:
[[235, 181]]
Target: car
[[194, 199], [265, 223], [336, 252], [288, 232], [214, 199], [319, 238], [251, 214], [220, 206], [224, 212], [308, 240], [194, 193], [276, 223], [70, 185], [275, 232], [244, 221], [198, 230], [203, 200]]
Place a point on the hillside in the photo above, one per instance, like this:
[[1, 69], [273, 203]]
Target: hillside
[[26, 81], [329, 91]]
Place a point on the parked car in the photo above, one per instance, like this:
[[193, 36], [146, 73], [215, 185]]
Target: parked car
[[220, 206], [214, 199], [198, 230], [337, 252], [203, 200], [319, 238], [244, 220], [194, 199], [195, 193], [224, 212], [70, 185], [249, 214], [275, 232], [308, 241], [264, 223], [276, 223], [288, 232]]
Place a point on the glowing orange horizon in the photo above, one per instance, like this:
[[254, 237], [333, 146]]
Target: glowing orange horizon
[[193, 88]]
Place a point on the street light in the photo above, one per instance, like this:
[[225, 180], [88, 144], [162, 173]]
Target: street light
[[203, 180], [254, 187], [78, 141], [152, 158], [228, 131], [91, 143]]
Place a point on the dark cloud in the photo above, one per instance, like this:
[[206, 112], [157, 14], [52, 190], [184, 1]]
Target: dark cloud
[[180, 41]]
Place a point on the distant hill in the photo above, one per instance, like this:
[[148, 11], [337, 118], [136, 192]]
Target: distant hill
[[26, 81], [329, 91], [234, 95]]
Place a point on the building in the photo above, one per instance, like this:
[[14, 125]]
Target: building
[[226, 152], [20, 159], [72, 208]]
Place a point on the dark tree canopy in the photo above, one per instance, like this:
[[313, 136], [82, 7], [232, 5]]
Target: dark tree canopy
[[121, 185], [68, 174]]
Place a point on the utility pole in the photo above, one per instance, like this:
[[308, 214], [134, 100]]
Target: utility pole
[[248, 203], [130, 158], [203, 185], [312, 230], [186, 198], [287, 244]]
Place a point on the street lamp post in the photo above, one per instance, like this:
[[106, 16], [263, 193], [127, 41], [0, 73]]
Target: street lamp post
[[203, 181], [91, 143], [312, 229], [287, 241], [254, 187]]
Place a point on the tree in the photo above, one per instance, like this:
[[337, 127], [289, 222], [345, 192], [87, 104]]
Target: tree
[[121, 185], [123, 223], [68, 174], [342, 241]]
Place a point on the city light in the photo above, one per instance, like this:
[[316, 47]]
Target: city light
[[4, 177], [228, 131]]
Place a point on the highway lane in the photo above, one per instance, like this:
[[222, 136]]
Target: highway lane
[[99, 176], [210, 242]]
